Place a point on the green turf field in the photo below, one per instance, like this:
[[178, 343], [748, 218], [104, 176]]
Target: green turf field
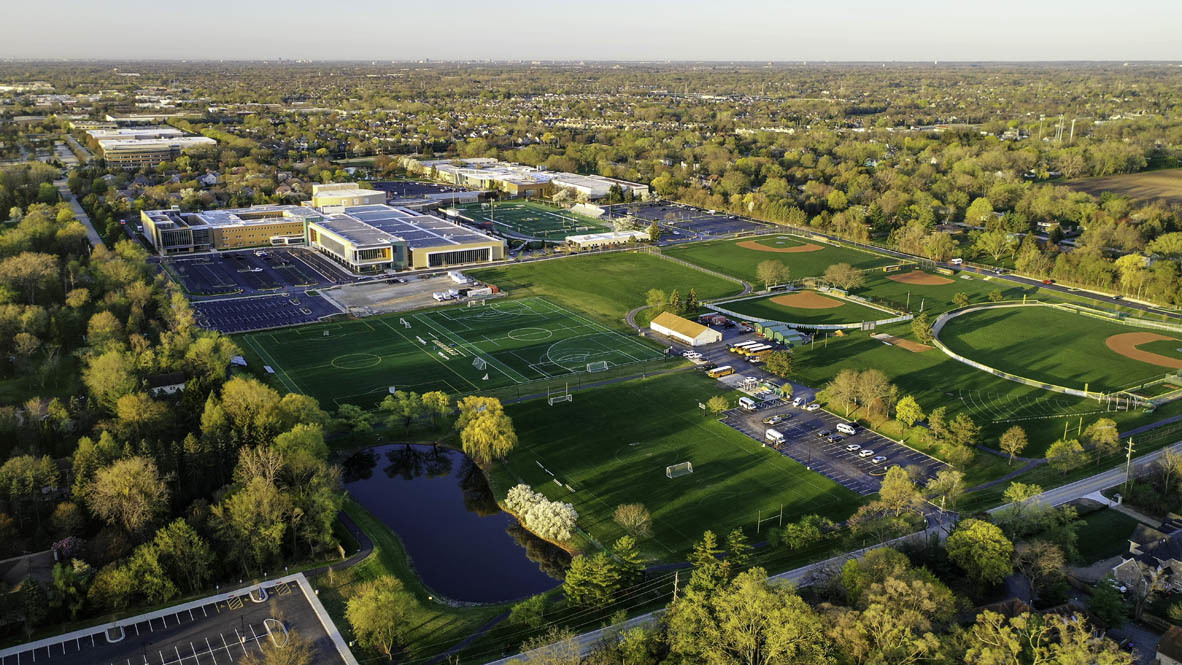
[[518, 341], [727, 257], [535, 220], [847, 312], [1048, 344], [612, 445], [604, 286]]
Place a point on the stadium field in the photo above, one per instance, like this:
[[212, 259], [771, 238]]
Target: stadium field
[[807, 307], [1055, 346], [605, 286], [457, 350], [535, 220], [612, 446], [803, 258]]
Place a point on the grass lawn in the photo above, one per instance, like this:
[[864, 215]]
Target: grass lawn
[[612, 446], [768, 308], [728, 257], [1047, 344], [603, 286], [457, 350], [536, 220], [1105, 533]]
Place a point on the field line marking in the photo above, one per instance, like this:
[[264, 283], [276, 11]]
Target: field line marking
[[428, 354], [473, 349], [600, 327], [279, 371]]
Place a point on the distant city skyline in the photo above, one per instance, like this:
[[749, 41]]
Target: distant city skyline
[[694, 30]]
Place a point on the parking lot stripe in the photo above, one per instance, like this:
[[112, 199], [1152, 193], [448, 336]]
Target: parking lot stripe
[[210, 647], [178, 653], [241, 641]]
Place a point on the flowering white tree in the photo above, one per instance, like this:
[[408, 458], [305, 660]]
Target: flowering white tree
[[552, 520]]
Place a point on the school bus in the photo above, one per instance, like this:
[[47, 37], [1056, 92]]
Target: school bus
[[739, 346], [719, 372]]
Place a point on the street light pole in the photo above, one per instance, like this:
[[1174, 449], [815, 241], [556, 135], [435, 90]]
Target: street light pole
[[1128, 464]]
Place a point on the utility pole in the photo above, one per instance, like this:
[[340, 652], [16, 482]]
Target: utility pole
[[675, 573], [1128, 464]]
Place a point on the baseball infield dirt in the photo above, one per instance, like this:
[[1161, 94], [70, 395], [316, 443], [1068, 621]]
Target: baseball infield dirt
[[920, 278], [1126, 345], [806, 300], [914, 347], [809, 247]]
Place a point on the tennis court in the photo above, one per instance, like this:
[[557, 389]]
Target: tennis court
[[535, 220], [457, 350]]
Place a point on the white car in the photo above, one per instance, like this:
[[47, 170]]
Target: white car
[[879, 459], [866, 453], [853, 446], [812, 407]]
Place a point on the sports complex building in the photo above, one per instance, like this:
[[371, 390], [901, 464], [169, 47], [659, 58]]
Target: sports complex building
[[341, 222]]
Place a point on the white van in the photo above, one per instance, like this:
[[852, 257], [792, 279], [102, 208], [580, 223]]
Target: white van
[[798, 402], [773, 437], [957, 262], [746, 404], [847, 429]]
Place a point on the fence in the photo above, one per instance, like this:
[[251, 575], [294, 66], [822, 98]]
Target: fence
[[812, 326], [655, 251], [542, 388], [1117, 317], [948, 316]]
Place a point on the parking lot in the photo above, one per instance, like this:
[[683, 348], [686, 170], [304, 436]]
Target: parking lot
[[832, 457], [219, 632], [252, 272], [681, 218], [237, 315]]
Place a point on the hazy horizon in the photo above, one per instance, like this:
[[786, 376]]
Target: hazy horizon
[[610, 30]]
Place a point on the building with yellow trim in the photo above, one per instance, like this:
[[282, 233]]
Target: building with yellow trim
[[340, 194]]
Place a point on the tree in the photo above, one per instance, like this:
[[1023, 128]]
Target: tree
[[529, 612], [1038, 561], [845, 388], [981, 550], [945, 489], [634, 519], [128, 493], [995, 244], [295, 651], [34, 603], [771, 272], [1108, 603], [184, 555], [844, 276], [437, 404], [252, 521], [656, 301], [738, 550], [1065, 455], [962, 431], [403, 408], [1103, 436], [747, 621], [377, 613], [675, 303], [629, 565], [979, 212], [709, 571], [960, 299], [921, 327], [908, 411], [1013, 442], [717, 404], [353, 418], [779, 362], [110, 376], [898, 493], [996, 295], [592, 580], [488, 435], [654, 232]]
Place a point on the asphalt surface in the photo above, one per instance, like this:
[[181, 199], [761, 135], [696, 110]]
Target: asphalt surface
[[64, 189], [218, 633]]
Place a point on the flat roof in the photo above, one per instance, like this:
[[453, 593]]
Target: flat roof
[[229, 217], [416, 229], [357, 232]]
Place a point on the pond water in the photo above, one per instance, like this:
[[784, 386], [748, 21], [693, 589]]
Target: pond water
[[460, 542]]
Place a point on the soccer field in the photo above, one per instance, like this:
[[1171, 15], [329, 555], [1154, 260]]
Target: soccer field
[[457, 350], [612, 446], [533, 219]]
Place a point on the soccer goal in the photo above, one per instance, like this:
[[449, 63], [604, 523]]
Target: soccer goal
[[479, 363], [678, 470], [597, 366]]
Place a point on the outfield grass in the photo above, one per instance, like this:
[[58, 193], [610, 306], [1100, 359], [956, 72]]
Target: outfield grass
[[1048, 344], [937, 298], [603, 286], [532, 219], [847, 312], [519, 341], [612, 445], [727, 257]]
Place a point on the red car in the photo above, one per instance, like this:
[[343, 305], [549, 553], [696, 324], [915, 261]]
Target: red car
[[1048, 281]]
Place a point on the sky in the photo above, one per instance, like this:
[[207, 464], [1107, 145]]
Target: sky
[[746, 30]]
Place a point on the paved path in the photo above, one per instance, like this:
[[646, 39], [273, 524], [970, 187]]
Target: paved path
[[64, 189], [362, 538]]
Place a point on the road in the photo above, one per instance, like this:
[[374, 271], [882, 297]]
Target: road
[[64, 189]]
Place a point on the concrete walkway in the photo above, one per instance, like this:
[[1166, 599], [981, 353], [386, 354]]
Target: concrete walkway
[[64, 189]]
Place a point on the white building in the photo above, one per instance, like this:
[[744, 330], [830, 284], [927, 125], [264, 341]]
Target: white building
[[683, 330]]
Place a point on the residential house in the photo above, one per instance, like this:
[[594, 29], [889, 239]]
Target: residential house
[[1153, 550], [166, 384]]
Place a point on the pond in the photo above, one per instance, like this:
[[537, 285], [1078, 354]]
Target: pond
[[460, 542]]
